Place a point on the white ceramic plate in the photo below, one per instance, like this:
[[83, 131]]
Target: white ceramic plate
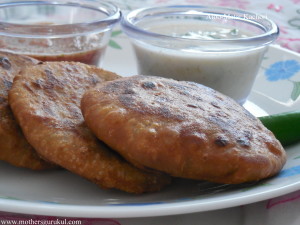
[[60, 193]]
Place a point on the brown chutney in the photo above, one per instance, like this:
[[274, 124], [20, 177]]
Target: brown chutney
[[91, 57], [76, 49]]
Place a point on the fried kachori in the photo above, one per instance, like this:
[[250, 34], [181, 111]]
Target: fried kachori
[[183, 129], [46, 99]]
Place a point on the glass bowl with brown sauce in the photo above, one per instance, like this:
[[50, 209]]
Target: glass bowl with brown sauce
[[65, 30]]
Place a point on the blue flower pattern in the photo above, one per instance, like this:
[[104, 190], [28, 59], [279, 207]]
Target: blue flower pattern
[[282, 70]]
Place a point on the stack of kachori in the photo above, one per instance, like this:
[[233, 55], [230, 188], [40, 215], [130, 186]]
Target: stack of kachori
[[45, 99], [136, 133], [14, 148]]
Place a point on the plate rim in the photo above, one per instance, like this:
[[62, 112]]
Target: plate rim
[[138, 211], [151, 210]]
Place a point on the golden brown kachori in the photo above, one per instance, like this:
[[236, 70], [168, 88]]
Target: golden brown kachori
[[183, 129], [46, 101]]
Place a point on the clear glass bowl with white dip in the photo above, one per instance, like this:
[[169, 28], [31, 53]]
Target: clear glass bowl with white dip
[[219, 47]]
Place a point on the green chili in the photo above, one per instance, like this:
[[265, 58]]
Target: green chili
[[285, 126]]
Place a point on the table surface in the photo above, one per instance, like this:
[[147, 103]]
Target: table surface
[[277, 211]]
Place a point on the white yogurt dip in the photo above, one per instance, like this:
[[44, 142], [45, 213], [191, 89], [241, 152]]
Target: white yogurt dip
[[192, 29], [232, 73], [219, 47]]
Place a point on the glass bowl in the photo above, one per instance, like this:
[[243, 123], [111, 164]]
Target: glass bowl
[[65, 30], [219, 47]]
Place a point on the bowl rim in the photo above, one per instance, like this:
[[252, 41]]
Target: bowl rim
[[128, 23], [112, 12]]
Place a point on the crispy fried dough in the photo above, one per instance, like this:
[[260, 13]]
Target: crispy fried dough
[[14, 148], [46, 101], [182, 128]]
